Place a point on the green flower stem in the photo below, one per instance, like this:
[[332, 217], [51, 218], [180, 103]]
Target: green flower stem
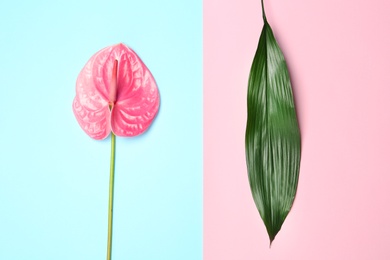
[[111, 197]]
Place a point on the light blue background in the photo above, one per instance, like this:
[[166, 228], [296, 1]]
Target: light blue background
[[54, 178]]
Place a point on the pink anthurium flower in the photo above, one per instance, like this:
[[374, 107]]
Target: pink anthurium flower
[[115, 92]]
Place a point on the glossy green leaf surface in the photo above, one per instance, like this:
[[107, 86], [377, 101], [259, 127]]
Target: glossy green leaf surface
[[272, 140]]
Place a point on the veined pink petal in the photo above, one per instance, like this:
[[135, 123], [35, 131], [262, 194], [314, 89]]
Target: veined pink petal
[[89, 106], [132, 116], [102, 68], [132, 93], [96, 123], [130, 73]]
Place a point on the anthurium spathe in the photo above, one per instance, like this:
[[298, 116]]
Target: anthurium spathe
[[115, 92]]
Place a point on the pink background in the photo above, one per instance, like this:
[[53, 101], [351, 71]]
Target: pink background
[[338, 53]]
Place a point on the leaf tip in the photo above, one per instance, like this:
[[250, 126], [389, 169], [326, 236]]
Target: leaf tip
[[271, 239]]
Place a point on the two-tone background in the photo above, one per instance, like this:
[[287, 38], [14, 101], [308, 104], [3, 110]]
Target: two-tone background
[[181, 188]]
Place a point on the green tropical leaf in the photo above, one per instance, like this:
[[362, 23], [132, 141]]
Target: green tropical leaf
[[272, 139]]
